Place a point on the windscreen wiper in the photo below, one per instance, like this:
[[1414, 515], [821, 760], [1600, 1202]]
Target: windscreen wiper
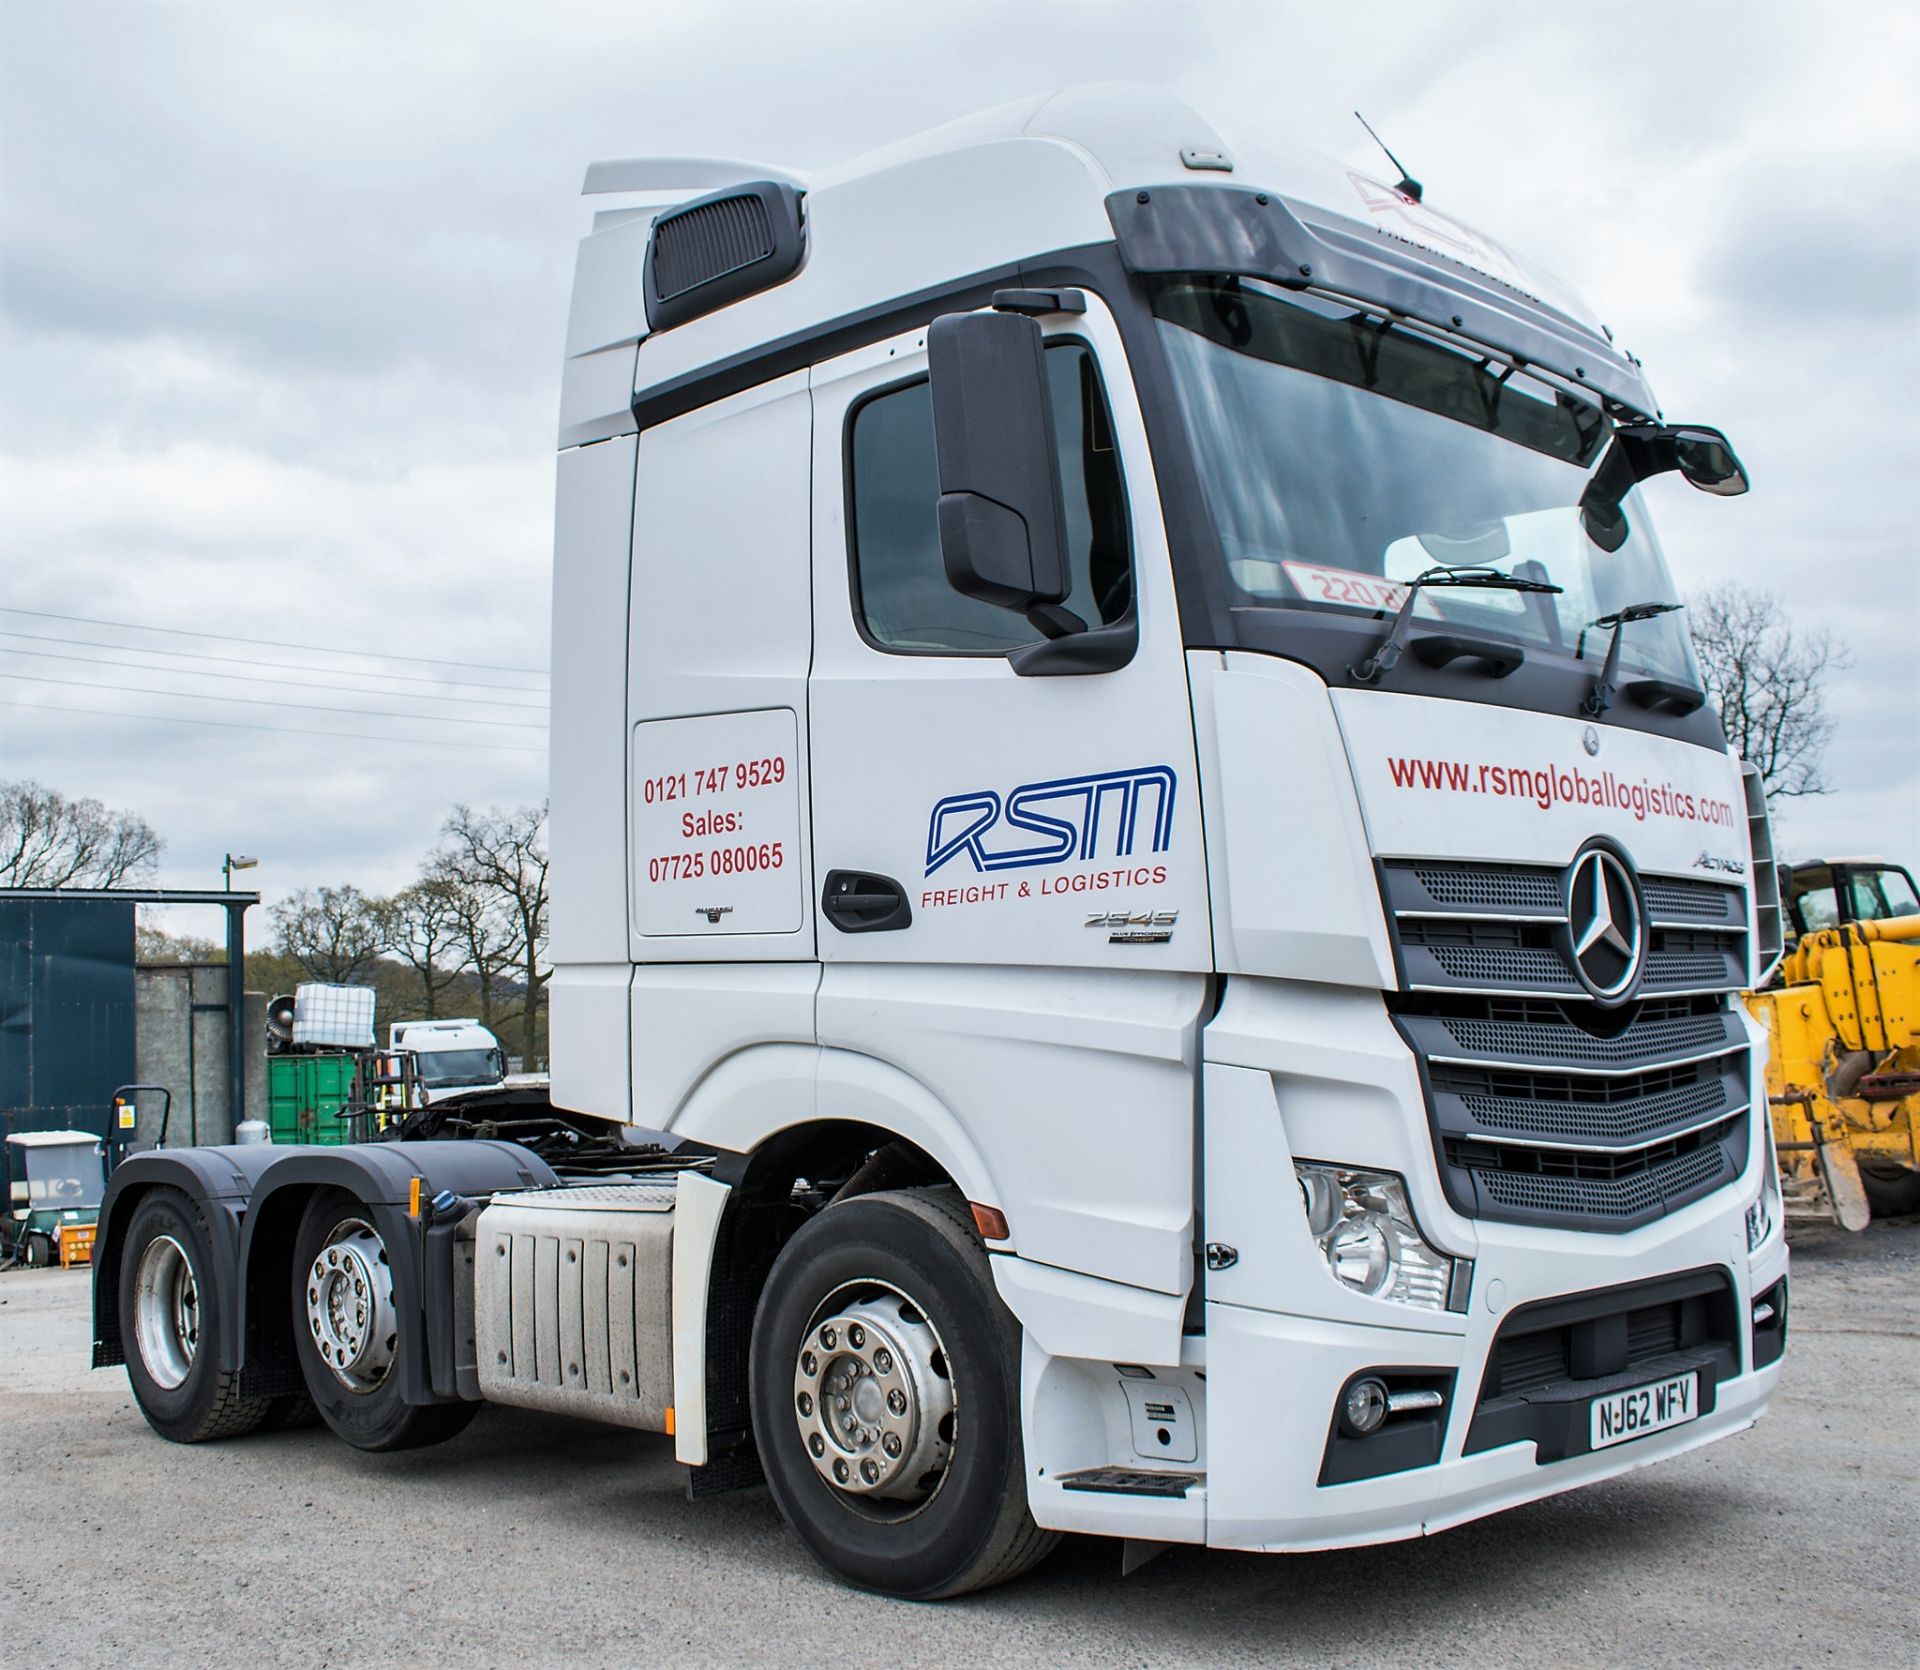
[[1600, 697], [1490, 579]]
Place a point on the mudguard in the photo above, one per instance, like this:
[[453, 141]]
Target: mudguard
[[252, 1199], [219, 1181]]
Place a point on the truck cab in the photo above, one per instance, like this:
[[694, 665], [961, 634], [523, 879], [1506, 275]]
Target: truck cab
[[1297, 1013], [1144, 891], [450, 1055]]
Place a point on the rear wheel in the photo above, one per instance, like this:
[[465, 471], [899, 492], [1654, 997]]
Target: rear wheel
[[170, 1321], [347, 1332], [885, 1390]]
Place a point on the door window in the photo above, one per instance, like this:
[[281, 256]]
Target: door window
[[901, 596]]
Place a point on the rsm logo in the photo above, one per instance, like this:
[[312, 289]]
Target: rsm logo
[[1111, 815]]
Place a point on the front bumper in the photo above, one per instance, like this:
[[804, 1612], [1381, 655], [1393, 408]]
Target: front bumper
[[1271, 1385], [1263, 1386]]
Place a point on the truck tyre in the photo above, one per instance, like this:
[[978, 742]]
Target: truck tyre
[[885, 1388], [346, 1332], [171, 1326]]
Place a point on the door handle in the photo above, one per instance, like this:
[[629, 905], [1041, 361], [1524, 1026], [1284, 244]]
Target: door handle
[[858, 903]]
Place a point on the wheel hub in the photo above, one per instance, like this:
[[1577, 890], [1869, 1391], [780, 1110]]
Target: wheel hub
[[873, 1395], [350, 1310], [166, 1317]]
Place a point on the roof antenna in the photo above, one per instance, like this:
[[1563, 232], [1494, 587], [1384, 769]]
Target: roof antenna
[[1408, 186]]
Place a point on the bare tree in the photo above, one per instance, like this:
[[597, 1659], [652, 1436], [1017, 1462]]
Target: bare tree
[[422, 926], [47, 840], [333, 934], [1769, 681], [483, 935], [502, 857]]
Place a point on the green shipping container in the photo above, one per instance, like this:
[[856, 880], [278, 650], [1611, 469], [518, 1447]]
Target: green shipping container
[[305, 1094]]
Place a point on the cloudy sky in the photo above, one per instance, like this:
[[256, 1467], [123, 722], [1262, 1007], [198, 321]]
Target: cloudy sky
[[283, 288]]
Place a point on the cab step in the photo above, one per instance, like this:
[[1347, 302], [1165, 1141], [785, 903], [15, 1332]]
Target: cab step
[[1131, 1481]]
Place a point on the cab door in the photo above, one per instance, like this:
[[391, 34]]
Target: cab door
[[1013, 899]]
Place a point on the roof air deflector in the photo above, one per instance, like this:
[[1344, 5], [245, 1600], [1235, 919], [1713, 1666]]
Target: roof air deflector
[[685, 175]]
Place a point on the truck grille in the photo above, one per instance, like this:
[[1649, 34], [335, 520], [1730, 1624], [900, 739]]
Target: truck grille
[[1442, 954], [1605, 1190], [1547, 1109]]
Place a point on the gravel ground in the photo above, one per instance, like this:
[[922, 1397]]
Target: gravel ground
[[532, 1540]]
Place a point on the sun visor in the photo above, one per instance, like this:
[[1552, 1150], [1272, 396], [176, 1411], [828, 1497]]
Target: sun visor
[[1256, 234]]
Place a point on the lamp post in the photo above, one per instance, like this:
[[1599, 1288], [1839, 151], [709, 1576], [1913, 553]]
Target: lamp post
[[236, 1001]]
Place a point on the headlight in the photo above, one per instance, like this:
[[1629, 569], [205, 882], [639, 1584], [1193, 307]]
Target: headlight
[[1364, 1228]]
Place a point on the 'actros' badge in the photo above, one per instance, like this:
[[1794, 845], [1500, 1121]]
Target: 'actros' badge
[[1726, 866], [1606, 923]]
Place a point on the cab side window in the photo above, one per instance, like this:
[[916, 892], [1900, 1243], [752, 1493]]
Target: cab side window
[[901, 595], [1819, 908]]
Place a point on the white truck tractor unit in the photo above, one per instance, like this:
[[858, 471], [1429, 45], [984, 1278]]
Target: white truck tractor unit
[[451, 1055], [1147, 909]]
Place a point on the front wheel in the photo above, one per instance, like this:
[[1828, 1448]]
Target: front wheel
[[885, 1382], [346, 1326]]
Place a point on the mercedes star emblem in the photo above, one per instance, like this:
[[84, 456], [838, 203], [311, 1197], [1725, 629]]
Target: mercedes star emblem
[[1590, 740], [1604, 917]]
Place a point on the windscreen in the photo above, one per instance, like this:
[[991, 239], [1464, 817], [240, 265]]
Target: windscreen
[[1341, 454], [67, 1178], [1879, 895], [459, 1067]]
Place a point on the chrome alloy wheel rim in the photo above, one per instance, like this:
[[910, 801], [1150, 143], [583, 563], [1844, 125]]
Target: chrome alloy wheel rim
[[166, 1312], [350, 1311], [873, 1396]]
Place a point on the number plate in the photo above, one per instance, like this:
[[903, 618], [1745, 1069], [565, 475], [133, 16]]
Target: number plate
[[1644, 1409]]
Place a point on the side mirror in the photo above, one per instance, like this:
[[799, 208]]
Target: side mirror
[[1702, 455], [1002, 530]]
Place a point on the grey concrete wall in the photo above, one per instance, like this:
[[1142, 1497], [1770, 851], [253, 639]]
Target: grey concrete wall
[[180, 1041]]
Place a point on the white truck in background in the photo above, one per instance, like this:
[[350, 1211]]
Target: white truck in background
[[451, 1055], [1147, 911]]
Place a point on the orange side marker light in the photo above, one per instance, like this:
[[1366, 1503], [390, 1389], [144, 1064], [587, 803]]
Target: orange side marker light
[[990, 1221]]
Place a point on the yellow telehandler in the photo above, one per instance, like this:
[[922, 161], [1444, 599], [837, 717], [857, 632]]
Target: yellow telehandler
[[1843, 1017]]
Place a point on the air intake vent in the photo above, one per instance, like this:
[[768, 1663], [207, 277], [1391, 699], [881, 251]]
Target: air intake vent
[[708, 243], [1769, 928], [724, 247]]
